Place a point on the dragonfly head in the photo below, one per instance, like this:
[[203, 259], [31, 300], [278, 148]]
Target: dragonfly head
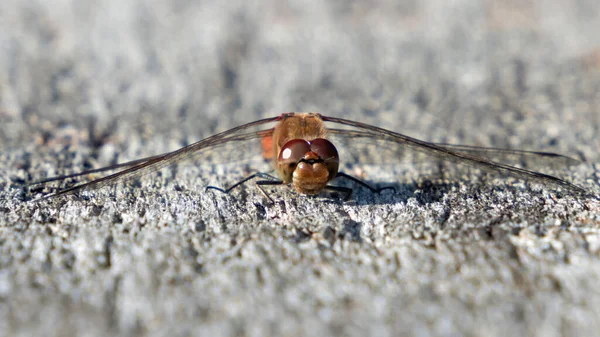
[[308, 165]]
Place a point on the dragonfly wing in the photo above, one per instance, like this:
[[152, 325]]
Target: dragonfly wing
[[389, 146], [230, 146], [520, 158], [92, 171], [535, 160]]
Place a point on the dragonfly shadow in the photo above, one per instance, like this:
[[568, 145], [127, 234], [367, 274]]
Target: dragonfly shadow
[[361, 192], [393, 194], [425, 192]]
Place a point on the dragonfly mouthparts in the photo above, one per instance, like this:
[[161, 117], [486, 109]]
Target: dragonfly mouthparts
[[311, 161]]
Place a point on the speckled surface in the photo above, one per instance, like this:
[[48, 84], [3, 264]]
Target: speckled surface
[[88, 84]]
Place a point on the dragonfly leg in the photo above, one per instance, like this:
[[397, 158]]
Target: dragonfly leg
[[261, 183], [271, 181], [362, 183]]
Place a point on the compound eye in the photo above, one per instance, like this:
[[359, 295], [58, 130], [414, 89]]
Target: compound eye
[[293, 151], [324, 149], [328, 153]]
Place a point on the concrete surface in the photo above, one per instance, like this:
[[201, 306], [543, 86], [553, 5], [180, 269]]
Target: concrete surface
[[86, 84]]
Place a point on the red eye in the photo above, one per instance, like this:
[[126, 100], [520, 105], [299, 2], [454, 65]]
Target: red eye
[[324, 149], [328, 153], [293, 151]]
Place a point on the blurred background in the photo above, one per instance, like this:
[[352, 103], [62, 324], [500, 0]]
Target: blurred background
[[502, 73]]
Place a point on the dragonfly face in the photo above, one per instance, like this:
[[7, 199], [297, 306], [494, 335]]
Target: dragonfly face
[[308, 165]]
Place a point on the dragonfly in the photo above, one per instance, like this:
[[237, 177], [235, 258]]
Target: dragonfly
[[301, 149]]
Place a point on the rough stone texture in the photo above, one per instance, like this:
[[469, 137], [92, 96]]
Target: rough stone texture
[[87, 84]]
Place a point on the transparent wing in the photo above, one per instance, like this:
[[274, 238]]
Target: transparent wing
[[391, 146], [232, 145], [388, 152], [520, 158], [92, 171]]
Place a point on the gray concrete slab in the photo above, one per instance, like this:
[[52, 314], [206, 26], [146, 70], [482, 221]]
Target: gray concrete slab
[[452, 252]]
